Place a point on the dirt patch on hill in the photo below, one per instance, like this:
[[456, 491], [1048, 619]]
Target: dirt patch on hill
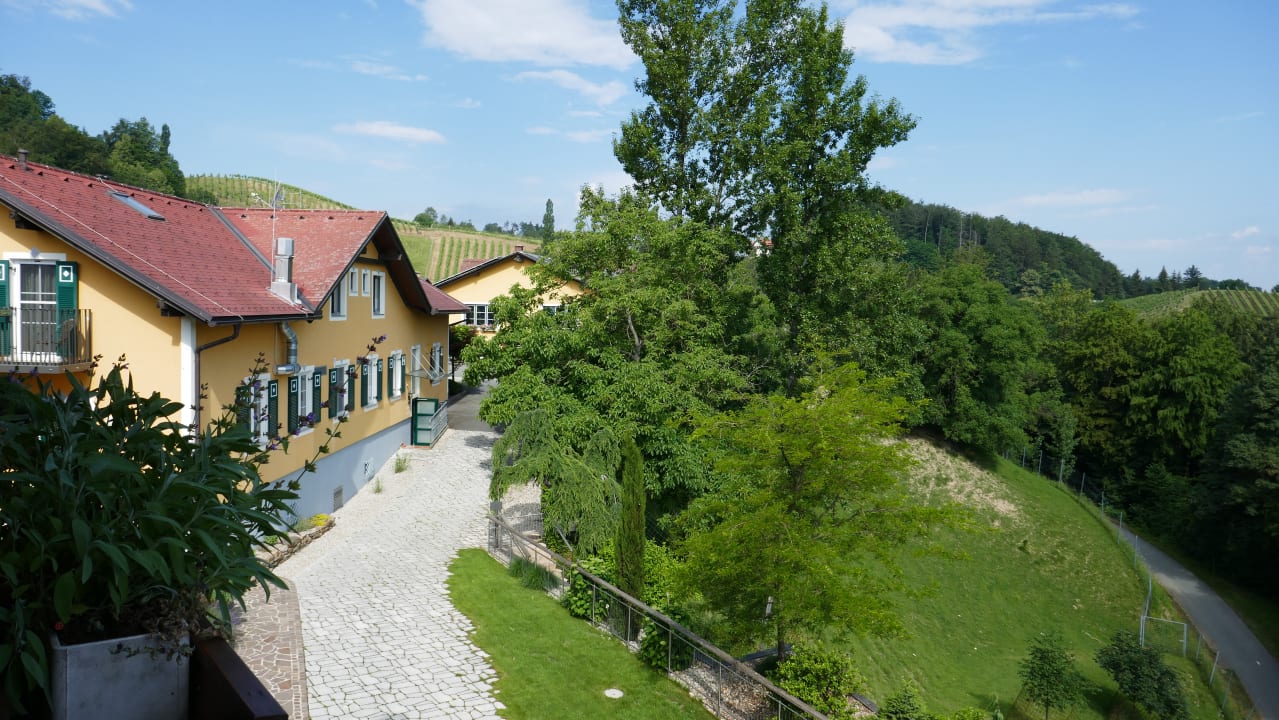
[[939, 471]]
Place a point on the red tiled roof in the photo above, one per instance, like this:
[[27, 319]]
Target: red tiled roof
[[442, 301], [191, 258], [324, 241]]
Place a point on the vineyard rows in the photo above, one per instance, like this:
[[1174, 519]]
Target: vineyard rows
[[1169, 303], [435, 252]]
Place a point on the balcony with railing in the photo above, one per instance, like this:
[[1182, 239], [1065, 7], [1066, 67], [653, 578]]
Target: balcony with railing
[[46, 339]]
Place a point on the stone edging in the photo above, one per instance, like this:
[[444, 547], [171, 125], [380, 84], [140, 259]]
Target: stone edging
[[292, 544]]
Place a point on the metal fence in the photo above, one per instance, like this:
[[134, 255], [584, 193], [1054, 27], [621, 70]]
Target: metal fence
[[727, 687], [1171, 637]]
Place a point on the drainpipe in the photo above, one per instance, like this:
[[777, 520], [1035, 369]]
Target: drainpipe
[[235, 333], [291, 365]]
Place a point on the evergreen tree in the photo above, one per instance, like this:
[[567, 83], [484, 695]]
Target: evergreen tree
[[629, 549], [548, 221], [1048, 673]]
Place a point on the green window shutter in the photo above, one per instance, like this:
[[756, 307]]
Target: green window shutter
[[293, 404], [68, 287], [364, 381], [317, 386], [380, 375], [6, 335], [403, 375], [273, 408], [350, 387], [244, 406], [335, 391]]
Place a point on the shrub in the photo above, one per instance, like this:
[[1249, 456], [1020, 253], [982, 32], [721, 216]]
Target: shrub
[[657, 648], [1144, 677], [580, 599], [401, 463], [531, 575], [822, 678]]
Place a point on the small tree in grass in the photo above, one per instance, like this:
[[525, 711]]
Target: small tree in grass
[[1048, 673], [1143, 677], [905, 704]]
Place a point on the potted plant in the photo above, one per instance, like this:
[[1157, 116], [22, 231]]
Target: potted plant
[[117, 521]]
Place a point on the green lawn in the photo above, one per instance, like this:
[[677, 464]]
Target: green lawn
[[1040, 562], [551, 665]]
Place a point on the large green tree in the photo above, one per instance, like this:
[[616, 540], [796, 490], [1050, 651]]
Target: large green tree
[[642, 351], [1049, 676], [800, 533], [755, 124], [982, 358]]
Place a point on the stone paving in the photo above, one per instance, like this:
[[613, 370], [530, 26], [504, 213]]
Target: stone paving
[[382, 640], [268, 636]]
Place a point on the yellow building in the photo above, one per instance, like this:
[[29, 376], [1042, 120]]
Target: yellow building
[[192, 295], [480, 281]]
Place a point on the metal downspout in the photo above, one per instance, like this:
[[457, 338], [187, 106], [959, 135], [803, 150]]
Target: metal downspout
[[291, 360], [235, 333]]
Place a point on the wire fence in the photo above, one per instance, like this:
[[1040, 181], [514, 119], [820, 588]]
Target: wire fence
[[1170, 636], [727, 687]]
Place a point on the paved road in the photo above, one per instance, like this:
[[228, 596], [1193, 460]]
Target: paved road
[[383, 641], [1240, 649]]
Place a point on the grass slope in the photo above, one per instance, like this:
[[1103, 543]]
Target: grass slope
[[1038, 562], [435, 252], [551, 665]]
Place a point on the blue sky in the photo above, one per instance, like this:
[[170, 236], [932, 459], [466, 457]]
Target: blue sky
[[1146, 129]]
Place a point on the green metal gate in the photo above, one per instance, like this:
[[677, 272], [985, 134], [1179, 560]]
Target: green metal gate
[[430, 418]]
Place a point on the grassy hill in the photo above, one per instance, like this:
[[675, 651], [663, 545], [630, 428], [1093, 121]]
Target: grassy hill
[[435, 252], [1169, 303], [1038, 561]]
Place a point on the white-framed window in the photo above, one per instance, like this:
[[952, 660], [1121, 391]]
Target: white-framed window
[[303, 401], [337, 305], [415, 368], [365, 284], [552, 309], [341, 382], [371, 381], [437, 363], [479, 315], [353, 282], [379, 294], [395, 375], [256, 401]]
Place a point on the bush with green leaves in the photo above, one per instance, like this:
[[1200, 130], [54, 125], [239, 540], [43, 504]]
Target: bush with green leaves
[[118, 519], [581, 599], [820, 677], [905, 704], [1050, 679], [662, 647], [1144, 677]]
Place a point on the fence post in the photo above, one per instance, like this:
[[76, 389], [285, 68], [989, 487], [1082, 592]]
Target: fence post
[[1061, 470], [1185, 630], [1082, 482], [1040, 469], [1103, 502], [594, 589], [1199, 643], [1213, 674]]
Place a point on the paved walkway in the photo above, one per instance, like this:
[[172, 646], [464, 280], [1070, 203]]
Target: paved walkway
[[382, 640], [1240, 650]]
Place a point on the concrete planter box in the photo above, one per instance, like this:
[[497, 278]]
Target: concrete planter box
[[132, 678]]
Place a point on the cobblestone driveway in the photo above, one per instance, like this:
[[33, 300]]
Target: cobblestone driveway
[[382, 639]]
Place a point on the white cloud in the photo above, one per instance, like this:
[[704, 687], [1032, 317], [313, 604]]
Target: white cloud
[[1074, 198], [543, 32], [391, 72], [943, 32], [1258, 251], [879, 163], [391, 131], [1240, 116], [603, 94], [541, 130], [1246, 232], [589, 136], [585, 113], [73, 9], [468, 103]]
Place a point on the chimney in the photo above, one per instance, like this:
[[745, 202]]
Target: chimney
[[282, 278], [22, 159]]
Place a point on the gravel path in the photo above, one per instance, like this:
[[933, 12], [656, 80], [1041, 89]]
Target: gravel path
[[382, 639], [1240, 649]]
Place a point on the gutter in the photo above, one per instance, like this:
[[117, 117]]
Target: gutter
[[291, 361], [235, 333]]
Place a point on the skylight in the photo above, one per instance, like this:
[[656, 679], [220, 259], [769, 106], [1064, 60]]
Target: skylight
[[137, 206]]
